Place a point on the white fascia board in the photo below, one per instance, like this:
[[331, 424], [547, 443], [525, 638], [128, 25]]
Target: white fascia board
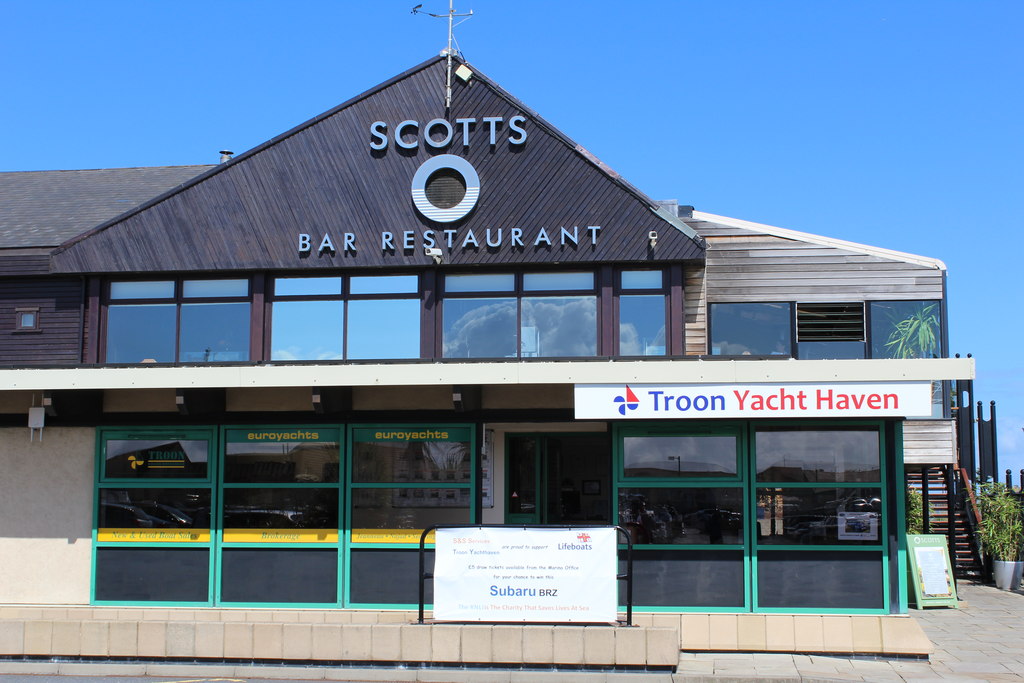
[[426, 374], [824, 241]]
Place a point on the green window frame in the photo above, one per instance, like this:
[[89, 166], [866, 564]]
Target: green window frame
[[158, 529], [402, 543], [869, 557]]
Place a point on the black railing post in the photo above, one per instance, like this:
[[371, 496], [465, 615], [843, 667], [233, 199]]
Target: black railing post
[[951, 529], [1009, 479], [926, 518], [1022, 482]]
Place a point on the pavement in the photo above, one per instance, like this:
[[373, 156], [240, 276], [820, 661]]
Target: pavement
[[978, 642]]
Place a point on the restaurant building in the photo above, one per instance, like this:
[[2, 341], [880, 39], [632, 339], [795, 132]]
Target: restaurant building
[[254, 384]]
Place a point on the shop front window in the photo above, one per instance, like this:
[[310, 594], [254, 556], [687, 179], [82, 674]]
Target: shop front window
[[153, 516]]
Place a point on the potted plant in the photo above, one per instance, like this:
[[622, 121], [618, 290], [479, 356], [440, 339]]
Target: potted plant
[[1001, 533]]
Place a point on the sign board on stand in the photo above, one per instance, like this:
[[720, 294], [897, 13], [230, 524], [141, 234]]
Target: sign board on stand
[[517, 574], [931, 574]]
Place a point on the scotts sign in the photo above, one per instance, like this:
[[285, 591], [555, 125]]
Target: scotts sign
[[702, 401], [438, 134]]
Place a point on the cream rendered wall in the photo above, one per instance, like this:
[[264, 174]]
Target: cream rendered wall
[[46, 498]]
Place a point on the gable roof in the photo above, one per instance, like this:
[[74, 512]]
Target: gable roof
[[321, 177], [46, 208]]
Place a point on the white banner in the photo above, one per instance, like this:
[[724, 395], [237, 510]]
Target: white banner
[[703, 401], [533, 575]]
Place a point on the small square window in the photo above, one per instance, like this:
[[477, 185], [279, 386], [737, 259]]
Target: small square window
[[26, 319]]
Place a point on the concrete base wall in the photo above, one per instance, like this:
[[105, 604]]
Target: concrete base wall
[[46, 513]]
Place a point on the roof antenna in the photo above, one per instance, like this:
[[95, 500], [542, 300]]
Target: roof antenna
[[447, 52]]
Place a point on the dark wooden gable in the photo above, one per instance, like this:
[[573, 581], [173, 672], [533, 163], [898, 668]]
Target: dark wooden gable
[[323, 178]]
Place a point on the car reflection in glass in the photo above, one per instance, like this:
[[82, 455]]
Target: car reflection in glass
[[121, 515]]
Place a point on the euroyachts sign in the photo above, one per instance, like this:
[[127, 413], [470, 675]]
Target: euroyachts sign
[[703, 401]]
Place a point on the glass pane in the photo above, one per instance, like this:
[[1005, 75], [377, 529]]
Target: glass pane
[[381, 576], [906, 329], [279, 575], [820, 579], [535, 282], [642, 325], [559, 326], [479, 328], [155, 508], [153, 574], [411, 455], [281, 461], [163, 289], [829, 350], [137, 334], [384, 284], [155, 458], [307, 330], [522, 476], [26, 321], [407, 508], [306, 286], [682, 515], [214, 333], [750, 329], [641, 279], [384, 328], [826, 455], [679, 456], [695, 578], [291, 508], [480, 283], [819, 516], [194, 289]]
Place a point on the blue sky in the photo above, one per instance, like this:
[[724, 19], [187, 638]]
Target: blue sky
[[895, 124]]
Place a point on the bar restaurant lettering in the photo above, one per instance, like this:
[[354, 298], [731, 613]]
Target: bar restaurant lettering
[[381, 136]]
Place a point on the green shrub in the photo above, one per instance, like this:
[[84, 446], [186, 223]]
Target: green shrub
[[1001, 531], [915, 511]]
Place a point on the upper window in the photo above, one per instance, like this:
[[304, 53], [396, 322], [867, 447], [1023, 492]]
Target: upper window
[[751, 329], [888, 329], [552, 314], [315, 318], [906, 329], [830, 330], [165, 321], [642, 313], [26, 319]]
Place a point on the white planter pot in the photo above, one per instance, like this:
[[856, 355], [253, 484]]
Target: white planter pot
[[1007, 574]]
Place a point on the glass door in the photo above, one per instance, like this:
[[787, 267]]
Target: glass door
[[558, 479]]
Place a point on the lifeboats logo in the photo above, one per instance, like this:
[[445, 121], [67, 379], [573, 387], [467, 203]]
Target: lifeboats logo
[[629, 401]]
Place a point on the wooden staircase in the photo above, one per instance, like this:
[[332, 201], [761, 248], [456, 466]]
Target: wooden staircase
[[965, 556]]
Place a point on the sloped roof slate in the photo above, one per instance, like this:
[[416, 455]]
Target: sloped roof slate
[[46, 208]]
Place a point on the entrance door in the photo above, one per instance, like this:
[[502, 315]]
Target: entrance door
[[558, 479]]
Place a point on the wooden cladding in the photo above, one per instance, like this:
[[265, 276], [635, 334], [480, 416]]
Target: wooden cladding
[[323, 180], [743, 265], [56, 337]]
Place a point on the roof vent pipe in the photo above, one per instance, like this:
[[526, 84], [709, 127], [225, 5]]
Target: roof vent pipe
[[225, 155]]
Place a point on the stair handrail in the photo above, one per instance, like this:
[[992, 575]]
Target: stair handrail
[[972, 501], [973, 518]]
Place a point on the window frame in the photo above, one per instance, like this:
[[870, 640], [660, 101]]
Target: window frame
[[177, 300]]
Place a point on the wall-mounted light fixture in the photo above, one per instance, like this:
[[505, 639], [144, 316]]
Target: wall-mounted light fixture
[[652, 238]]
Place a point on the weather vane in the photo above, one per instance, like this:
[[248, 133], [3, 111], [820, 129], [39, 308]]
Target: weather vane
[[447, 52]]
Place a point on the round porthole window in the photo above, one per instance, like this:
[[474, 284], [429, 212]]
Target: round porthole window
[[445, 188]]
